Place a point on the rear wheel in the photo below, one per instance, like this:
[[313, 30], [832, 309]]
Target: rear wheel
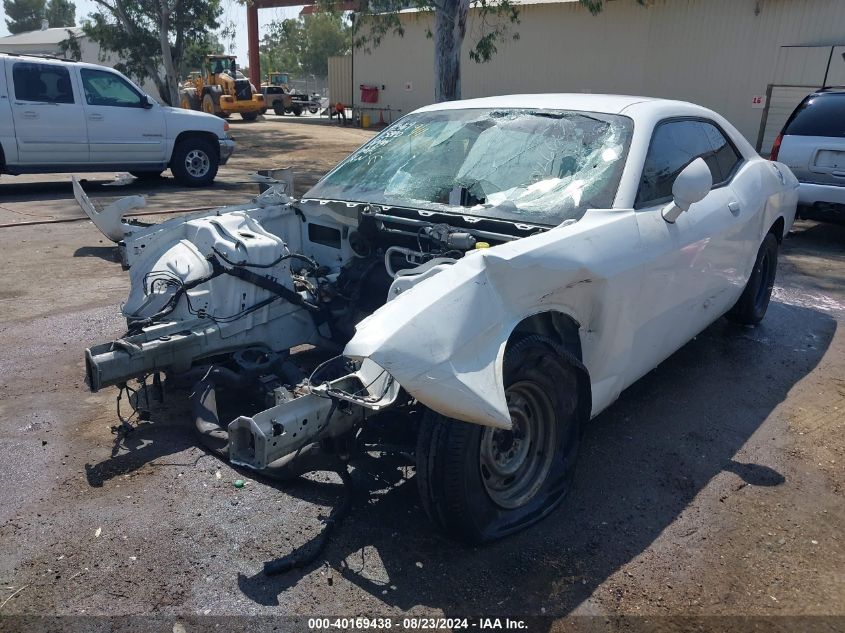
[[479, 483], [249, 116], [195, 162], [278, 108], [752, 304], [297, 110]]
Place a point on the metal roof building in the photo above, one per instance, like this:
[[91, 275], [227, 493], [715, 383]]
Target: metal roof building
[[750, 60]]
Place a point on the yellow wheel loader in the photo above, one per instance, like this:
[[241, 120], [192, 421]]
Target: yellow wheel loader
[[221, 89]]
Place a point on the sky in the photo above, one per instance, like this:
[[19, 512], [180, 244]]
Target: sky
[[232, 11]]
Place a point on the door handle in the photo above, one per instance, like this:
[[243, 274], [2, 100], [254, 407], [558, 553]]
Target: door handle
[[734, 207], [29, 114], [95, 117]]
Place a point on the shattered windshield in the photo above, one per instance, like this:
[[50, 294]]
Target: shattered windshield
[[542, 166]]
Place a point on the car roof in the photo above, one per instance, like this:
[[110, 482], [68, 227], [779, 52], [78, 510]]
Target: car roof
[[833, 90], [48, 59], [609, 104]]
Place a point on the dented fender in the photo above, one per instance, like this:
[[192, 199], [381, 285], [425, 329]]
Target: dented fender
[[444, 338]]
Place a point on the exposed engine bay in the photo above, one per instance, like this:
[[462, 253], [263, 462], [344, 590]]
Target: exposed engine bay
[[219, 301]]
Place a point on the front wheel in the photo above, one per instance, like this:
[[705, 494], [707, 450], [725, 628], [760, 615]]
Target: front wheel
[[208, 105], [754, 301], [479, 483], [195, 162]]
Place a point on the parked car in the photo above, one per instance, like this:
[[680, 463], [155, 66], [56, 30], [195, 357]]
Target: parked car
[[507, 264], [62, 116], [812, 145]]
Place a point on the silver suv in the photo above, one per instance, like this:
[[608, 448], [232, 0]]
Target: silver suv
[[812, 145]]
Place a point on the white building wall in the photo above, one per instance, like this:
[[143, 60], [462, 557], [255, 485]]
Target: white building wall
[[718, 53]]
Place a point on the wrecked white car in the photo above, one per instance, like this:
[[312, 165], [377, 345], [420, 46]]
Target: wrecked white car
[[509, 264]]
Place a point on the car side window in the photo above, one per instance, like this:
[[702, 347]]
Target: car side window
[[103, 88], [674, 145], [725, 156], [42, 83]]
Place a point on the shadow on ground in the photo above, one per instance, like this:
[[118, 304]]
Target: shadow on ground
[[62, 189], [643, 461]]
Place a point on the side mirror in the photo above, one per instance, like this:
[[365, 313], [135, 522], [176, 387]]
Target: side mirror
[[691, 186], [145, 102]]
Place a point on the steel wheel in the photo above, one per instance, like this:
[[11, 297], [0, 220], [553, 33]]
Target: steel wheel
[[515, 464], [767, 282], [197, 163], [479, 483], [751, 306]]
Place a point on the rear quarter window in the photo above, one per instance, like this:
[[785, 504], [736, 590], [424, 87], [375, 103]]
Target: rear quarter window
[[818, 115]]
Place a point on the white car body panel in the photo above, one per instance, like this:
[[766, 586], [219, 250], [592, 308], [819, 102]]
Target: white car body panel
[[47, 133]]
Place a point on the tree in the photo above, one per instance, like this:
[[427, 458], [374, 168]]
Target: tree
[[493, 18], [26, 15], [281, 47], [60, 13], [195, 52], [23, 15], [152, 36], [304, 45]]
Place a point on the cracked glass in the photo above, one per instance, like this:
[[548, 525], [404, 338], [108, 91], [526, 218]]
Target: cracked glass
[[544, 166]]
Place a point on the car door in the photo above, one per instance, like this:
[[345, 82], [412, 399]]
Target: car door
[[124, 128], [8, 144], [47, 113], [691, 266]]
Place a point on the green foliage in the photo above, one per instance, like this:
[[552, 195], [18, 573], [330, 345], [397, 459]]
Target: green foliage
[[23, 15], [71, 47], [492, 26], [130, 29], [595, 6], [60, 13], [303, 45], [195, 52], [26, 15]]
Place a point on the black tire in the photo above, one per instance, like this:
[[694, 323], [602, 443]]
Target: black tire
[[146, 175], [278, 109], [752, 304], [195, 162], [457, 488], [297, 111], [249, 116]]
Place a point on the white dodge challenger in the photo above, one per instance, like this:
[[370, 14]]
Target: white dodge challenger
[[508, 265]]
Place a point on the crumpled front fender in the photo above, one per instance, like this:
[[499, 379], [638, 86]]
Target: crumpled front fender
[[441, 341], [444, 338]]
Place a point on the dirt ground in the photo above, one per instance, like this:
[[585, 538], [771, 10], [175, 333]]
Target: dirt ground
[[713, 487]]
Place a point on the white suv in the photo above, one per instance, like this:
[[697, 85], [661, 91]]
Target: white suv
[[63, 116]]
